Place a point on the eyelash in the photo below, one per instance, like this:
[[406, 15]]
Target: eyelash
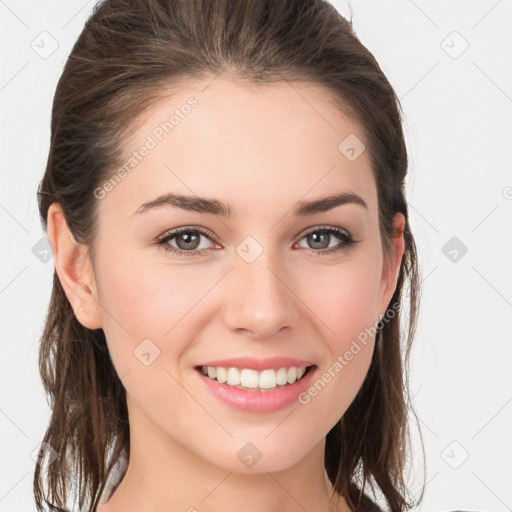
[[344, 236]]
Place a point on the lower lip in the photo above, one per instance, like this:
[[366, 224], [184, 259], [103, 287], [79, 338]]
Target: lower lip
[[258, 401]]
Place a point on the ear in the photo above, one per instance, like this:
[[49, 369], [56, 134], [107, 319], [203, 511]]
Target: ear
[[74, 269], [391, 266]]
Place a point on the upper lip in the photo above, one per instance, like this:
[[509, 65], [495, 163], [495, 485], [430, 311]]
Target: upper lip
[[258, 363]]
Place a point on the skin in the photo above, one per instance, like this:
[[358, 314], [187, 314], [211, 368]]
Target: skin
[[260, 149]]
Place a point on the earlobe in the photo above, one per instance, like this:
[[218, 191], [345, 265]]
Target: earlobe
[[74, 269], [391, 268]]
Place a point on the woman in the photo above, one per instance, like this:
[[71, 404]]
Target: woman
[[225, 199]]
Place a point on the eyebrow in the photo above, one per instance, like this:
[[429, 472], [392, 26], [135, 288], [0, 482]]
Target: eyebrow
[[215, 207]]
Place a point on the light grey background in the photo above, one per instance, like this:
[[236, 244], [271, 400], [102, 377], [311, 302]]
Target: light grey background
[[458, 108]]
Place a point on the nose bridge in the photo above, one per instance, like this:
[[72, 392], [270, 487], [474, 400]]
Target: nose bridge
[[259, 296]]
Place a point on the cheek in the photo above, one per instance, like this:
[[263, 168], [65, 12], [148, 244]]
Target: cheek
[[142, 300], [346, 307], [345, 300], [149, 317]]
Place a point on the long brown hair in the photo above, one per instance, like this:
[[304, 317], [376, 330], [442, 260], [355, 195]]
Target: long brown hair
[[127, 54]]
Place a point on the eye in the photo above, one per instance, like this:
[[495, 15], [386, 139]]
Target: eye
[[320, 238], [187, 240]]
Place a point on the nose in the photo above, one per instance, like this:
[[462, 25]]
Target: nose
[[260, 300]]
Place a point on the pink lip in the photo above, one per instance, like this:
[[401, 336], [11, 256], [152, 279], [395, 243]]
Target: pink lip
[[258, 363], [258, 401]]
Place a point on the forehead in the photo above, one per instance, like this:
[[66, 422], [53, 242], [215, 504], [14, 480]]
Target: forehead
[[252, 146]]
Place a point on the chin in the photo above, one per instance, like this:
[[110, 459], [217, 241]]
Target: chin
[[255, 457]]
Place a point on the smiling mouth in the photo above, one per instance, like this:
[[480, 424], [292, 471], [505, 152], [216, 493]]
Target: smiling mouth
[[253, 380]]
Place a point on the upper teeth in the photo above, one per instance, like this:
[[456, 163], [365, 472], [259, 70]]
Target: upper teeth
[[254, 379]]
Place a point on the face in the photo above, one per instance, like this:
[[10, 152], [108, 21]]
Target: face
[[180, 287]]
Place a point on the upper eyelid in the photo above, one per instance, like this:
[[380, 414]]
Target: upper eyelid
[[322, 227]]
